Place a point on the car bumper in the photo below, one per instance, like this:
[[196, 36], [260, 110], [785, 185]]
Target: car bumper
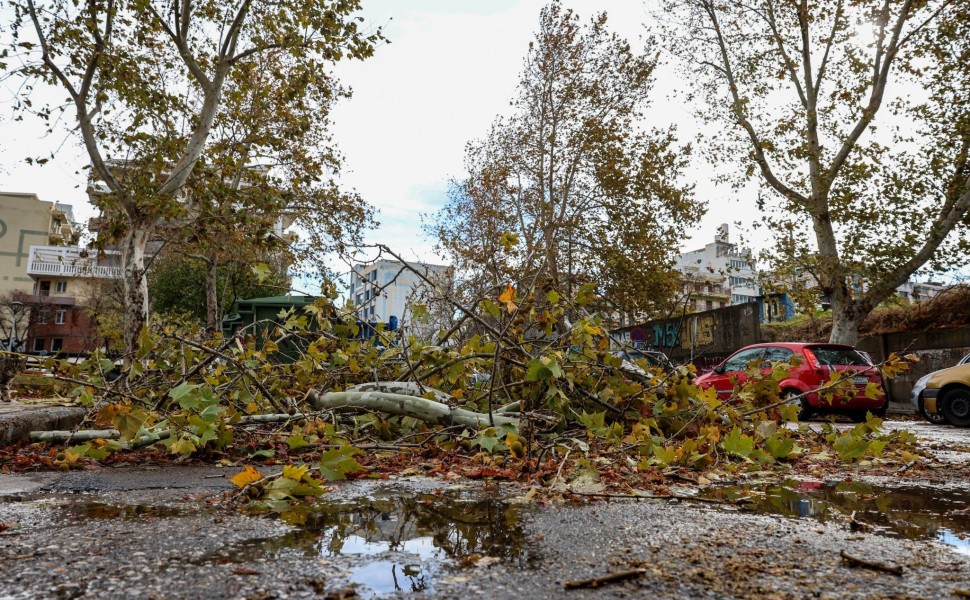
[[929, 401]]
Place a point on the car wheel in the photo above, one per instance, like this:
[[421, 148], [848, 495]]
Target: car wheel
[[956, 407], [858, 416], [882, 410], [804, 408], [935, 418]]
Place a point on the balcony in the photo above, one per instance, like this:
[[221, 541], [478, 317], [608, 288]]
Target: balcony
[[71, 261]]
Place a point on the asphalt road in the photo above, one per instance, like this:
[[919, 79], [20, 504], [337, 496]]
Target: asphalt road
[[156, 533]]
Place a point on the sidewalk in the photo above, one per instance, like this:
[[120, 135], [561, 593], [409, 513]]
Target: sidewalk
[[18, 419]]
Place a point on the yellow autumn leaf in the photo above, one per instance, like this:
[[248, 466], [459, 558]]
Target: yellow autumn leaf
[[507, 296], [295, 473], [246, 476]]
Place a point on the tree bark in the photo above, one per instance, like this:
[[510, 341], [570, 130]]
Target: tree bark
[[845, 323], [135, 284], [211, 295], [429, 411]]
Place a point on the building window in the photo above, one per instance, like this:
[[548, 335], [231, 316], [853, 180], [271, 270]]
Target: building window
[[39, 345], [44, 288], [60, 287], [57, 344], [42, 315], [59, 318]]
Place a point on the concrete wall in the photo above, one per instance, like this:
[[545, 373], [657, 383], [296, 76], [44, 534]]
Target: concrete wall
[[703, 338], [937, 349]]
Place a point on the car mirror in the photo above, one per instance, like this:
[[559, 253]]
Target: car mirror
[[719, 369]]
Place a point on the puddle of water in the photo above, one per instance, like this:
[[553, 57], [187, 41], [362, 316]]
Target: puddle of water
[[101, 510], [907, 512], [394, 543]]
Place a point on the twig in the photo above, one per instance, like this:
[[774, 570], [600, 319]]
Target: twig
[[595, 582], [854, 561], [660, 497]]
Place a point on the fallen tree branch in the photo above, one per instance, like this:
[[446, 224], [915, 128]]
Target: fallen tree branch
[[595, 582], [84, 435], [406, 388], [429, 411], [661, 497], [854, 561]]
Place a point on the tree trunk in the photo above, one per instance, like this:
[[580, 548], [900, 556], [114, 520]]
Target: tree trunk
[[211, 296], [135, 284], [845, 323]]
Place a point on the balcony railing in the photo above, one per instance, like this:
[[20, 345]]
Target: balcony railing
[[58, 261]]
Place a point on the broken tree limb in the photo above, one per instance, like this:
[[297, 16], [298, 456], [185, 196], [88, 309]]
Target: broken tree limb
[[429, 411], [84, 435], [407, 388], [854, 561], [595, 582]]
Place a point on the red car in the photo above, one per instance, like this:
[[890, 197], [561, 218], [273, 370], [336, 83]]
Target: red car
[[814, 365]]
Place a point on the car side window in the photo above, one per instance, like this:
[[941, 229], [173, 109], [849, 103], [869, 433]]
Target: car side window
[[776, 354], [741, 360]]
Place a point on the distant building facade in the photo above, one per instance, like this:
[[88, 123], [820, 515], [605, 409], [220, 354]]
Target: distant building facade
[[69, 283], [724, 261], [26, 220], [386, 288]]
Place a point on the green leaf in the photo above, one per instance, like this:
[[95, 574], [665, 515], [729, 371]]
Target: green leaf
[[664, 456], [295, 442], [262, 272], [336, 463], [552, 296], [779, 447], [738, 444], [265, 453], [541, 369], [129, 422], [850, 447]]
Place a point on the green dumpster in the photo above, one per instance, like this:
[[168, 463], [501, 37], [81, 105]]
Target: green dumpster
[[266, 311]]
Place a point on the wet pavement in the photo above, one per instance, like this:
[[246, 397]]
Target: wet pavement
[[157, 533]]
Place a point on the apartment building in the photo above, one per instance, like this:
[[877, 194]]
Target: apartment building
[[69, 285], [385, 288], [25, 220], [726, 262]]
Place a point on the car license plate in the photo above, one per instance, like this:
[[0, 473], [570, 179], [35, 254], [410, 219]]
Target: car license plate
[[861, 380]]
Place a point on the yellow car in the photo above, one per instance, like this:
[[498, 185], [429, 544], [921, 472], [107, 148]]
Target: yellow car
[[947, 393]]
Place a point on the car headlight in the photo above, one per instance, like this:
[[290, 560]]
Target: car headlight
[[918, 388]]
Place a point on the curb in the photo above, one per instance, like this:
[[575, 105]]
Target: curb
[[16, 426], [900, 408]]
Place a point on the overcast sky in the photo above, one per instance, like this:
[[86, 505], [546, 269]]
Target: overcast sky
[[451, 67]]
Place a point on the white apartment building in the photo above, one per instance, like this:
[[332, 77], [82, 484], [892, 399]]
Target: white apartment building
[[725, 261], [385, 288]]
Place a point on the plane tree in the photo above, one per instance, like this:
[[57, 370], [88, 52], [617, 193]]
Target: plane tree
[[147, 80], [572, 186], [854, 116]]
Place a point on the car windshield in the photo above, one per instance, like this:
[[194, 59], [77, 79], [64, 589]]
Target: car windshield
[[655, 360], [839, 357]]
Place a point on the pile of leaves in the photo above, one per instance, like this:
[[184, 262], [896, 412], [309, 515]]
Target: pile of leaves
[[559, 411]]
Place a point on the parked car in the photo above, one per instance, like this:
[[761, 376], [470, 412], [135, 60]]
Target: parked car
[[916, 396], [944, 395], [812, 368]]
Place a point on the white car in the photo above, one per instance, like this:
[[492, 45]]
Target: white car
[[916, 397]]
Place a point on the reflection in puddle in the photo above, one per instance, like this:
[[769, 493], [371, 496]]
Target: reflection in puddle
[[394, 543], [907, 512]]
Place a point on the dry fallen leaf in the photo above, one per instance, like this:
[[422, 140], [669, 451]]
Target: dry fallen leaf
[[246, 476]]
